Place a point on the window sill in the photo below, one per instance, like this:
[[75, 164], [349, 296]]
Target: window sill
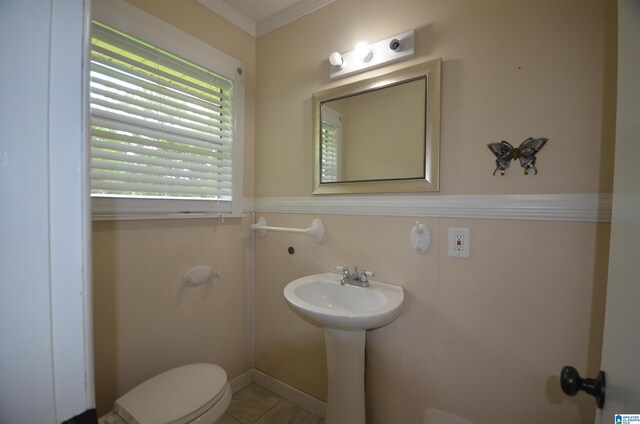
[[134, 209], [142, 217]]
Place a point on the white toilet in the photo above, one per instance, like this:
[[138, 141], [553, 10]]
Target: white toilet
[[196, 393]]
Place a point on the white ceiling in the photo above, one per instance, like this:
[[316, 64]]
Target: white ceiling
[[258, 17]]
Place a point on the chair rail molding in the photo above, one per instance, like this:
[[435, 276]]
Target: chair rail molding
[[581, 207]]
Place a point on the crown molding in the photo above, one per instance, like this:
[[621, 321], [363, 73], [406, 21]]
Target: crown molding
[[256, 29], [581, 207], [232, 15], [289, 14]]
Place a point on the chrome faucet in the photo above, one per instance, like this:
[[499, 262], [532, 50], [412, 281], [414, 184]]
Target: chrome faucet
[[354, 278]]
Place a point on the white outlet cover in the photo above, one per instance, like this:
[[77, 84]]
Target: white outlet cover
[[463, 251]]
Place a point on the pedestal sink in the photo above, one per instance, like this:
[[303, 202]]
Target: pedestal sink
[[345, 313]]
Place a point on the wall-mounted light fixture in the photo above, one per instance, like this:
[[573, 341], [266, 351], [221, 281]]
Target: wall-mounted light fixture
[[336, 60], [367, 56]]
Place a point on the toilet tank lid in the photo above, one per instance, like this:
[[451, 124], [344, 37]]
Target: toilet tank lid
[[176, 396]]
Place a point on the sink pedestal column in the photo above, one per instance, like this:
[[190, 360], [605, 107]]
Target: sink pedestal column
[[345, 364]]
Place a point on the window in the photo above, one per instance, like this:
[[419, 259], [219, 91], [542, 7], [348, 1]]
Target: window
[[163, 130]]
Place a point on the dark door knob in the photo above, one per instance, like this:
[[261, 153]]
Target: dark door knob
[[572, 383]]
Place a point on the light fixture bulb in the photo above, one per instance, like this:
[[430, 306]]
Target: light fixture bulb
[[363, 51], [336, 59]]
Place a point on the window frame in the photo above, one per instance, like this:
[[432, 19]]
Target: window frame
[[138, 23]]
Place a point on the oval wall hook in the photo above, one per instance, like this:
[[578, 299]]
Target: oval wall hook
[[199, 275]]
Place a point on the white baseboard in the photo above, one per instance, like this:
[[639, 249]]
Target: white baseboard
[[290, 393], [436, 416], [285, 391], [241, 381]]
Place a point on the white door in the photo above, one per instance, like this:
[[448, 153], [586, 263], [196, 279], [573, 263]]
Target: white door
[[621, 348], [46, 359]]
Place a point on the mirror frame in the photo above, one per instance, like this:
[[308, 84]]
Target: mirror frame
[[430, 182]]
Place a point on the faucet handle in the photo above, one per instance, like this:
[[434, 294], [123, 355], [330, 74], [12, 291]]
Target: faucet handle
[[364, 276], [341, 268]]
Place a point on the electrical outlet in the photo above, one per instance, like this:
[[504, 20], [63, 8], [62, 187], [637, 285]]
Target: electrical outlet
[[459, 242]]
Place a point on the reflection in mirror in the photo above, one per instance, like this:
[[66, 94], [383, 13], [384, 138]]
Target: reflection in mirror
[[380, 134], [394, 148]]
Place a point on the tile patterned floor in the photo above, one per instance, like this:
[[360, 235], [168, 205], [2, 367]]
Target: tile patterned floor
[[256, 405]]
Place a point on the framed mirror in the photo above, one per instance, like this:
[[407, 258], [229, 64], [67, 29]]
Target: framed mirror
[[379, 135]]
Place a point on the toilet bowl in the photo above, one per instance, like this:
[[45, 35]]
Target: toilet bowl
[[196, 393]]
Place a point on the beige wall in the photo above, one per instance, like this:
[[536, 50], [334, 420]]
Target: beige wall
[[145, 320], [510, 70], [484, 338]]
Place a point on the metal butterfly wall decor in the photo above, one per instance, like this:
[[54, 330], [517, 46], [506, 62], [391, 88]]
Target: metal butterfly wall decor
[[526, 152]]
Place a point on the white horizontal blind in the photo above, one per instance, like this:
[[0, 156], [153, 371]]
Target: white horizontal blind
[[330, 138], [329, 165], [161, 126]]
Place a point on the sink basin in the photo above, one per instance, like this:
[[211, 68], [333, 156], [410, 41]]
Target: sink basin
[[321, 299]]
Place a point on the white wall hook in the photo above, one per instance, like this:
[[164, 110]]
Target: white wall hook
[[199, 275], [316, 230], [420, 238]]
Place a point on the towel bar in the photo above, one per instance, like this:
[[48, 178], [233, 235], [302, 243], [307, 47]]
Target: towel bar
[[316, 230]]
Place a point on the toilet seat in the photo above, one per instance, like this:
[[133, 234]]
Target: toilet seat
[[177, 396]]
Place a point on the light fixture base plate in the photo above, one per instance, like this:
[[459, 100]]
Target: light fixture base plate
[[382, 54]]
